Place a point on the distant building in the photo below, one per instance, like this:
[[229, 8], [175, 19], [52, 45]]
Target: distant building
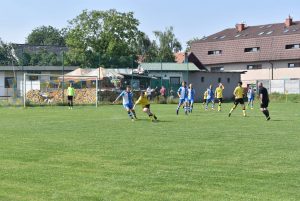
[[171, 75], [250, 48], [11, 77]]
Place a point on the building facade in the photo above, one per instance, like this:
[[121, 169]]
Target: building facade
[[11, 77]]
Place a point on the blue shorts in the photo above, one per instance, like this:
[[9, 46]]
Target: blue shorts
[[191, 100], [251, 99], [128, 106], [181, 101], [210, 100]]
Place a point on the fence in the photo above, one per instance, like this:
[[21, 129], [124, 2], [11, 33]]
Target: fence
[[281, 86]]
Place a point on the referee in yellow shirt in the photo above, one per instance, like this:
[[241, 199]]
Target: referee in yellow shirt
[[143, 100], [239, 95]]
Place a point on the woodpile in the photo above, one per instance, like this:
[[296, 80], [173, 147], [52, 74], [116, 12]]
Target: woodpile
[[82, 96]]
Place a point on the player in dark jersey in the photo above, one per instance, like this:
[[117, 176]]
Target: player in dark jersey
[[264, 101]]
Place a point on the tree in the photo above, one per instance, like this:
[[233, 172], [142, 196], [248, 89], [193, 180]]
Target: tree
[[46, 35], [6, 54], [167, 44], [103, 34]]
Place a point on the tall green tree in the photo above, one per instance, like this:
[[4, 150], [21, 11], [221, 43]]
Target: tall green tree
[[105, 36], [6, 54], [167, 44], [46, 35]]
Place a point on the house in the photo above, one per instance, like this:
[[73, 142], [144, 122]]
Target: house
[[251, 48]]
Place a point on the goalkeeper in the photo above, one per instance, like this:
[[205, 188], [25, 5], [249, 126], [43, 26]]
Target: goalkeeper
[[145, 105]]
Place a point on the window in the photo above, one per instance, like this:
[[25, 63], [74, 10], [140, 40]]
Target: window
[[261, 33], [270, 32], [293, 65], [9, 82], [222, 37], [228, 80], [252, 49], [292, 46], [262, 26], [254, 66], [217, 69], [238, 35], [269, 26], [214, 52], [219, 80], [216, 37], [202, 79], [285, 31], [174, 81]]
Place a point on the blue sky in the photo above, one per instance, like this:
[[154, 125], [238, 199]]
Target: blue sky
[[190, 18]]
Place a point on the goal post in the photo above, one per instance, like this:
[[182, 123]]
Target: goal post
[[51, 89]]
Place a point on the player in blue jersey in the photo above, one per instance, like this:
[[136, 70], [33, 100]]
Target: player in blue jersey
[[127, 102], [191, 96], [210, 98], [183, 95], [250, 96]]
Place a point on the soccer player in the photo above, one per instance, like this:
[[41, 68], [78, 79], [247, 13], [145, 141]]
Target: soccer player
[[210, 98], [143, 100], [219, 95], [239, 95], [71, 94], [127, 102], [264, 101], [204, 98], [250, 96], [191, 96], [182, 93]]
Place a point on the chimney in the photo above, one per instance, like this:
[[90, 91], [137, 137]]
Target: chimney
[[288, 21], [240, 27]]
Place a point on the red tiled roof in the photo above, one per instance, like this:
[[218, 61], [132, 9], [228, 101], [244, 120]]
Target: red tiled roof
[[259, 31]]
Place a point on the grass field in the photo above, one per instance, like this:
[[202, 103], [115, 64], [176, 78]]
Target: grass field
[[99, 154]]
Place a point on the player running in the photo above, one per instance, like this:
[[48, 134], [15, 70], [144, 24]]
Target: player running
[[219, 95], [127, 102], [71, 95], [143, 100], [210, 98], [191, 96], [250, 96], [183, 95], [264, 101], [239, 95]]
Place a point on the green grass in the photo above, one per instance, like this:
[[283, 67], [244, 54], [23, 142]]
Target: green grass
[[52, 153]]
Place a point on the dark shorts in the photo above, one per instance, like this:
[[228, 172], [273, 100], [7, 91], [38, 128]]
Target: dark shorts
[[220, 100], [147, 106], [70, 98], [239, 101], [264, 104], [204, 100]]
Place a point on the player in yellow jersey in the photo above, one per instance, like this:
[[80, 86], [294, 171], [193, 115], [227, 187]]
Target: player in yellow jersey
[[239, 95], [145, 105], [71, 95], [219, 95], [204, 98]]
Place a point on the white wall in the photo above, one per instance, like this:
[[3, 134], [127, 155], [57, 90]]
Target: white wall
[[2, 84]]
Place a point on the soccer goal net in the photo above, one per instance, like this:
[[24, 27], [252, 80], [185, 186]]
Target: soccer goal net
[[51, 89]]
